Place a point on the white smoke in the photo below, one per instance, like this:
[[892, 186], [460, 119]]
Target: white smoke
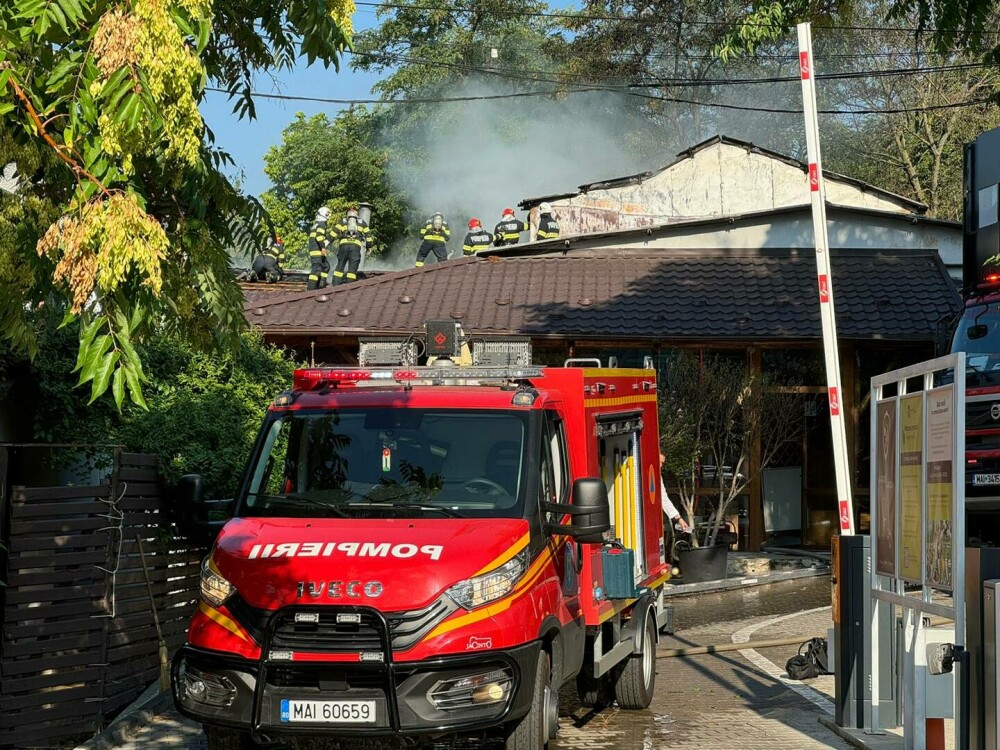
[[475, 158]]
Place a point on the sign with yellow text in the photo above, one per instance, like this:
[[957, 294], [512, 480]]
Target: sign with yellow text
[[911, 439], [940, 471]]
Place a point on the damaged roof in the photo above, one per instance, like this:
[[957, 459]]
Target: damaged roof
[[635, 179], [635, 294]]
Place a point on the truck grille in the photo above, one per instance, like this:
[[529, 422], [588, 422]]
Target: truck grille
[[409, 627], [405, 628], [328, 629], [978, 415], [324, 678]]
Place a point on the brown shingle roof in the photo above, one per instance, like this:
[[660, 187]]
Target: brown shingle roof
[[636, 294]]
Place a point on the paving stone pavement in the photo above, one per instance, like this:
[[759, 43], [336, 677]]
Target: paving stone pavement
[[717, 701]]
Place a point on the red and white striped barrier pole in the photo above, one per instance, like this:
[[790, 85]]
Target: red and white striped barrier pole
[[824, 280]]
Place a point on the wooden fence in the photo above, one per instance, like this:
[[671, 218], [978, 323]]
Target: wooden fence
[[78, 639]]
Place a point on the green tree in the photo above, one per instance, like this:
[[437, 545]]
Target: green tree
[[430, 49], [204, 412], [141, 216], [713, 414], [336, 164]]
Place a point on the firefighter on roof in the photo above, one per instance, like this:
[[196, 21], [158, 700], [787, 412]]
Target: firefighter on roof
[[435, 236], [508, 229], [267, 265], [477, 240], [548, 227], [351, 236], [319, 240]]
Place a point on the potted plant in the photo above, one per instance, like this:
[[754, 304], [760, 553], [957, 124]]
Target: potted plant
[[714, 413]]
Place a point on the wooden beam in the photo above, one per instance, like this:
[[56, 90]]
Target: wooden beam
[[755, 501]]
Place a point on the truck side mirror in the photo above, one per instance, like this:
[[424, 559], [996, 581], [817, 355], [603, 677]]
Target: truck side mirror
[[590, 495], [195, 514], [590, 513]]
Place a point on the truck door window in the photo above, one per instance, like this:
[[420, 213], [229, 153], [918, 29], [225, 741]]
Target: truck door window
[[557, 449]]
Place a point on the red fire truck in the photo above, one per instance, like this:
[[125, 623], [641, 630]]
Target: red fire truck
[[433, 550], [977, 333]]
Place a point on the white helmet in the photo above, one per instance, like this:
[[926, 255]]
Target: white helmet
[[545, 208], [323, 214]]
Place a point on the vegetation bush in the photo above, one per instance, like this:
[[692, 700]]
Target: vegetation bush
[[204, 408]]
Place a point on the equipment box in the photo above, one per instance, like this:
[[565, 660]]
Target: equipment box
[[619, 573]]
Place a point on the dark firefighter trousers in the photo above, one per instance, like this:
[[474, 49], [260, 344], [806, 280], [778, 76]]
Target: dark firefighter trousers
[[439, 249], [265, 268], [319, 267], [348, 259]]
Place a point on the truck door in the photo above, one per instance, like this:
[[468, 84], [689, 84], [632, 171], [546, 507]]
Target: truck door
[[618, 452], [554, 471]]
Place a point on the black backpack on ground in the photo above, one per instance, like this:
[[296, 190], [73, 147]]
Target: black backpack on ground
[[811, 661]]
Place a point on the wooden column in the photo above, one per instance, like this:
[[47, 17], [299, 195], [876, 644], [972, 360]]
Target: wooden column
[[755, 501]]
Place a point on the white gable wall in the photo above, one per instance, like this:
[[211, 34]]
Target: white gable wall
[[720, 180]]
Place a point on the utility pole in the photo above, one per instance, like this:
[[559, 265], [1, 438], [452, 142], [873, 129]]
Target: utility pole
[[824, 279]]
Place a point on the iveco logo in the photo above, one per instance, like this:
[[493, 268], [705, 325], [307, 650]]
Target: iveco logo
[[340, 589], [995, 410]]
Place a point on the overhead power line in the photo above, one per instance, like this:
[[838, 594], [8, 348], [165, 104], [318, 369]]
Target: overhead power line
[[524, 74], [598, 89]]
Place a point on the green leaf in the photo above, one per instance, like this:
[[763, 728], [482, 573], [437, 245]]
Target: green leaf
[[132, 376], [118, 386], [102, 376], [68, 318], [86, 338], [93, 358]]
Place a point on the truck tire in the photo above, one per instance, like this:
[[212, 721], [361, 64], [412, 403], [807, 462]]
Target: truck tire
[[533, 730], [636, 677], [594, 692], [228, 739]]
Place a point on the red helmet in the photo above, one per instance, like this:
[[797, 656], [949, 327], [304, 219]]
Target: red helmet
[[508, 212], [473, 223]]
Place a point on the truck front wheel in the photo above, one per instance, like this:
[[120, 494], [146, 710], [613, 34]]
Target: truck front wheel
[[539, 725], [637, 676]]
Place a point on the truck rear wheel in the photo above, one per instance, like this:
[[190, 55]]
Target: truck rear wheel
[[228, 739], [637, 676], [594, 692], [538, 726]]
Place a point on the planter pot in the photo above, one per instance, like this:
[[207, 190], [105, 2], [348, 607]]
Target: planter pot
[[701, 564]]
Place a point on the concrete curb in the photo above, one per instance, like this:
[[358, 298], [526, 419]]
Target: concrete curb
[[859, 739], [131, 720], [686, 589]]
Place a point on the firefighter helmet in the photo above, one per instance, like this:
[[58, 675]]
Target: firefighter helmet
[[473, 223], [323, 214], [545, 208], [352, 213], [507, 212]]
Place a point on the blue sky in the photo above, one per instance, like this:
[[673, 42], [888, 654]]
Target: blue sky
[[248, 140]]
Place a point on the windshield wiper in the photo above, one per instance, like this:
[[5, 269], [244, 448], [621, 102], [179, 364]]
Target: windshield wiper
[[294, 498], [411, 506]]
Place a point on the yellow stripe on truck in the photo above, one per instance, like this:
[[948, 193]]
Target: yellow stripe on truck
[[220, 619], [507, 556], [499, 606]]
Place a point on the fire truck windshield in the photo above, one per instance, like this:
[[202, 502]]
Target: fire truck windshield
[[978, 335], [389, 463]]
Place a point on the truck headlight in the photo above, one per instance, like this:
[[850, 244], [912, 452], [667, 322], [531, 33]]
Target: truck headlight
[[475, 592], [214, 588]]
